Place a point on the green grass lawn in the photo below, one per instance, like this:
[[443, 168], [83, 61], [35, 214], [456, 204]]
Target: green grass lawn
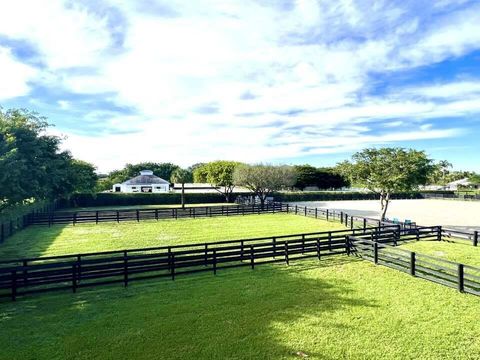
[[68, 239], [336, 308], [459, 252]]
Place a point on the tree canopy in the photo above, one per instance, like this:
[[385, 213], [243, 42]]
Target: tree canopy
[[262, 180], [218, 174], [388, 170], [323, 178], [32, 165]]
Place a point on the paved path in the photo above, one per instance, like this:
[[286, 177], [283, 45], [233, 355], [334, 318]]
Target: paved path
[[460, 215]]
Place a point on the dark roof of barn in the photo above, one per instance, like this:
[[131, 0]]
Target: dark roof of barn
[[145, 180]]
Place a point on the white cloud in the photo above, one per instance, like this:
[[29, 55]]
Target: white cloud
[[186, 70], [14, 76]]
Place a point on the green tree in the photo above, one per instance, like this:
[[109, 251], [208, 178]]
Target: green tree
[[323, 178], [388, 170], [31, 165], [181, 176], [262, 180], [219, 174]]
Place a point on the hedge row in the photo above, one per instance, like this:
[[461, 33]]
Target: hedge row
[[336, 195], [122, 199]]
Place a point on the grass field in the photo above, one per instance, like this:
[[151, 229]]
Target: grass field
[[459, 252], [61, 239], [337, 308]]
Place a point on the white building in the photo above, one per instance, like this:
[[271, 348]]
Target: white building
[[454, 185], [146, 182]]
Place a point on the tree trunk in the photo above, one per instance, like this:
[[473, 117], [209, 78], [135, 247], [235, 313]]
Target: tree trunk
[[262, 201], [385, 199], [183, 195]]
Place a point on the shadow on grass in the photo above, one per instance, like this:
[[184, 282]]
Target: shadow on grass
[[236, 314], [32, 241]]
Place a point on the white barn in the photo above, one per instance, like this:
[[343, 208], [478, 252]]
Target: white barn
[[146, 182]]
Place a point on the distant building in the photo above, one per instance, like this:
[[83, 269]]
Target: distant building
[[146, 182], [454, 185]]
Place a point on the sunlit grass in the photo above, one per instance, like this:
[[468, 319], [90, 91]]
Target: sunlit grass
[[59, 239], [461, 252], [331, 309]]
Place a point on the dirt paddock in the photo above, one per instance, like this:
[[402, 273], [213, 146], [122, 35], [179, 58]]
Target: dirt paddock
[[449, 213]]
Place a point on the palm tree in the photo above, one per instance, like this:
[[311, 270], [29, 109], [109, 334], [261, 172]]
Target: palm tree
[[181, 176]]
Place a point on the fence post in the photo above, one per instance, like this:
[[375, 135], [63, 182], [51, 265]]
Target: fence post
[[303, 244], [205, 257], [475, 238], [305, 210], [329, 241], [412, 263], [125, 268], [288, 208], [351, 222], [74, 277], [364, 225], [296, 209], [171, 259], [96, 217], [287, 261], [274, 245], [327, 215], [14, 285], [460, 278], [439, 233], [316, 213], [242, 249], [341, 217], [156, 214], [375, 252], [418, 234], [318, 248], [347, 245], [214, 261], [138, 216], [252, 257]]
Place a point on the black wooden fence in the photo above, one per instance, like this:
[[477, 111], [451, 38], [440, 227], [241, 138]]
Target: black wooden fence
[[35, 275], [353, 221], [463, 277], [96, 216], [8, 227]]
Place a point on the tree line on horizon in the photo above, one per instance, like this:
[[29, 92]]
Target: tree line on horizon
[[33, 167]]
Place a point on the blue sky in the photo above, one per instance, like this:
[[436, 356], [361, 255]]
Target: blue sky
[[255, 81]]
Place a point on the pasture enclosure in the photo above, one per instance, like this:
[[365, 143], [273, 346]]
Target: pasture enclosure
[[24, 276]]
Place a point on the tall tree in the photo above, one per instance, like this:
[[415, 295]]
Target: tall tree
[[263, 180], [219, 174], [181, 176], [31, 163], [388, 170]]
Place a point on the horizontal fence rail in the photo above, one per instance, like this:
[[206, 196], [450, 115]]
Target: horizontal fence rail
[[353, 221], [78, 217], [35, 275], [463, 277]]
